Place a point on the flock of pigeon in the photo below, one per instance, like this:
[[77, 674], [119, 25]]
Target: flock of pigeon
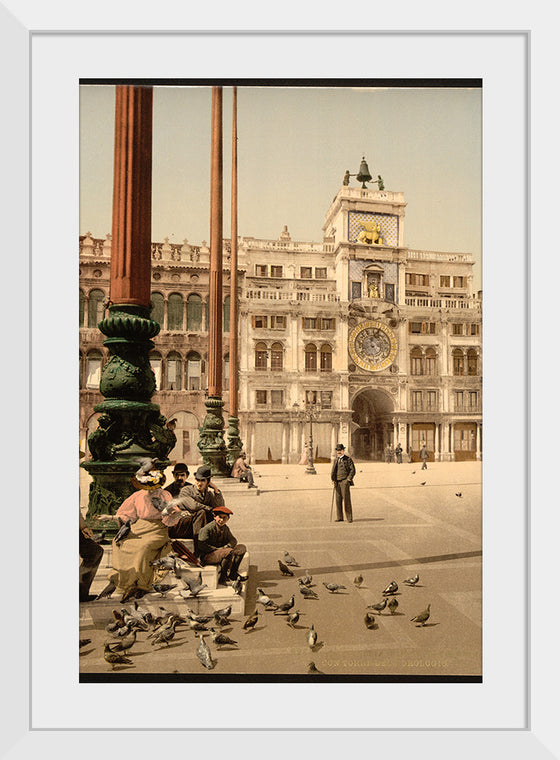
[[126, 624]]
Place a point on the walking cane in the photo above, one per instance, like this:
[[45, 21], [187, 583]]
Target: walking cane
[[332, 502]]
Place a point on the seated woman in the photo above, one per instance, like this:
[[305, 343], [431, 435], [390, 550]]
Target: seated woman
[[147, 539]]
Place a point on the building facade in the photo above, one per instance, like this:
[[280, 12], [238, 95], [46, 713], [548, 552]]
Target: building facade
[[356, 339]]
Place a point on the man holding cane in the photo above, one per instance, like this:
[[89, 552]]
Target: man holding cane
[[342, 476]]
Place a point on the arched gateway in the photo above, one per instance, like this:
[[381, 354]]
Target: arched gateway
[[372, 424]]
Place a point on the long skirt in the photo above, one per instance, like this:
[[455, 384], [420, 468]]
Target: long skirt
[[148, 540]]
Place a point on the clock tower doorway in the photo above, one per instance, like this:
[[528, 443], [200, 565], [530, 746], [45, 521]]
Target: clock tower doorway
[[372, 424]]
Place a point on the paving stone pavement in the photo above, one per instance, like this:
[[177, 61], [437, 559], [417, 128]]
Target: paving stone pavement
[[400, 528]]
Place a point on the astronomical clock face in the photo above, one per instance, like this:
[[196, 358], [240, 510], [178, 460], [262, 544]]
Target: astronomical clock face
[[372, 346]]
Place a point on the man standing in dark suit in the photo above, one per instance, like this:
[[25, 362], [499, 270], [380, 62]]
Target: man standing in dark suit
[[342, 475]]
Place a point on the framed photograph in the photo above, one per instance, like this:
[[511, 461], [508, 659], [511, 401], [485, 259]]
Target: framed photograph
[[494, 715]]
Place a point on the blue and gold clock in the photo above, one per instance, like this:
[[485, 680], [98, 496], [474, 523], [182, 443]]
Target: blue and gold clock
[[372, 345]]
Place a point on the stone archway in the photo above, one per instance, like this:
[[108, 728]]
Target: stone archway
[[372, 424]]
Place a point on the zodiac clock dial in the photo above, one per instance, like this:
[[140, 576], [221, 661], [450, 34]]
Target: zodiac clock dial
[[372, 346]]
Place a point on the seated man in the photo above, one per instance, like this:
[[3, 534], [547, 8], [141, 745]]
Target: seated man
[[196, 502], [218, 546], [243, 471], [180, 475], [91, 553]]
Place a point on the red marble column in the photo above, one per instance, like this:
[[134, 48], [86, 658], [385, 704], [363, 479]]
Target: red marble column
[[233, 306], [132, 197], [216, 256]]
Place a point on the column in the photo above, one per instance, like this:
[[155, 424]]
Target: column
[[437, 453], [285, 428], [478, 431]]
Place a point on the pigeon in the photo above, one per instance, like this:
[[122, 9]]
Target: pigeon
[[203, 653], [413, 472], [107, 591], [290, 560], [311, 637], [307, 593], [313, 670], [369, 620], [221, 620], [333, 587], [358, 580], [196, 626], [117, 622], [266, 601], [123, 643], [424, 483], [115, 658], [392, 588], [459, 495], [412, 581], [84, 642], [169, 562], [163, 588], [199, 618], [237, 584], [306, 580], [292, 619], [99, 537], [286, 606], [134, 619], [284, 569], [421, 617], [224, 612], [220, 639], [123, 532], [378, 607], [251, 621], [392, 605], [195, 587], [165, 634]]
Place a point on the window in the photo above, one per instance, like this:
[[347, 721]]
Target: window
[[276, 357], [326, 399], [389, 291], [459, 401], [227, 301], [416, 362], [156, 365], [326, 358], [194, 371], [472, 362], [320, 273], [415, 327], [260, 397], [194, 312], [276, 271], [82, 308], [356, 290], [277, 398], [305, 273], [416, 401], [226, 372], [175, 312], [93, 369], [431, 401], [457, 329], [277, 322], [458, 282], [426, 328], [327, 324], [259, 320], [261, 270], [413, 278], [430, 365], [158, 308], [174, 372], [458, 362], [473, 401], [445, 281], [261, 357], [95, 307], [309, 323], [475, 329], [311, 358]]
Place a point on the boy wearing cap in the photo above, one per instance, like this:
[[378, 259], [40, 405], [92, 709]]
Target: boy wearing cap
[[342, 476], [196, 502], [218, 546]]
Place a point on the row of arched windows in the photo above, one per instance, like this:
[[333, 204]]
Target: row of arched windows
[[172, 372], [172, 314], [316, 358], [424, 362]]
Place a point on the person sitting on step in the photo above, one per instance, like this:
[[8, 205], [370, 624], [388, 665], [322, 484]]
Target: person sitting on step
[[218, 546]]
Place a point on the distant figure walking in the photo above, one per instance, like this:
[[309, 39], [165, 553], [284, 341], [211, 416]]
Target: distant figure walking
[[424, 456], [398, 453], [388, 453]]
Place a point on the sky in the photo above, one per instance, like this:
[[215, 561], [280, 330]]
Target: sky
[[294, 145]]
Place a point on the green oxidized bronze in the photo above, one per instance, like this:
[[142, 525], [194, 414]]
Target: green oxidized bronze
[[130, 427], [211, 439], [235, 444]]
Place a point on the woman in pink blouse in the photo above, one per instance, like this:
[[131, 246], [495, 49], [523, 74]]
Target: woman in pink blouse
[[148, 538]]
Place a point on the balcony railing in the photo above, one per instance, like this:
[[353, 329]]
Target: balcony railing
[[443, 303]]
